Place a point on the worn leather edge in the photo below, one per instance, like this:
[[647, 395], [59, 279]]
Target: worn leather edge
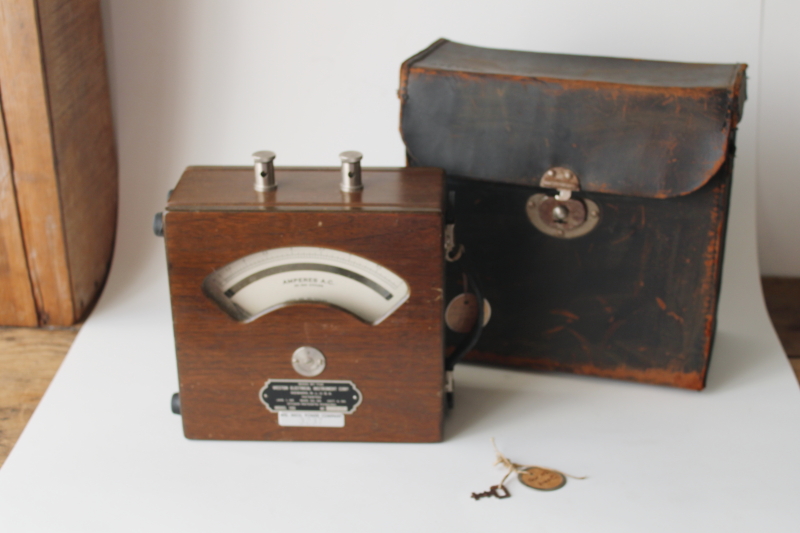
[[567, 56], [571, 83], [652, 376], [405, 69], [737, 95], [402, 93], [716, 254]]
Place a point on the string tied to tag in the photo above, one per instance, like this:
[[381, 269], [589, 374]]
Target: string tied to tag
[[535, 477]]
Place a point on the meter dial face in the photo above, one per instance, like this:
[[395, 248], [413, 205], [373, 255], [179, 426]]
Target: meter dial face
[[265, 281]]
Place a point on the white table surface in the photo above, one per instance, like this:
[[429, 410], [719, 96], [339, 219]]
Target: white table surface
[[104, 453]]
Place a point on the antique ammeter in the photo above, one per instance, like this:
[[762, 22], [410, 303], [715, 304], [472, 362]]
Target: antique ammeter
[[308, 306]]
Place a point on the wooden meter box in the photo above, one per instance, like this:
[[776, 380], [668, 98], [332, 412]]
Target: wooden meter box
[[591, 197], [306, 311]]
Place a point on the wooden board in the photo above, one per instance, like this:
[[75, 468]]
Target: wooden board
[[782, 296], [27, 117], [29, 358], [18, 307], [58, 118], [83, 141]]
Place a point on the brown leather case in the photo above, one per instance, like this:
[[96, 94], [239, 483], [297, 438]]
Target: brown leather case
[[622, 279]]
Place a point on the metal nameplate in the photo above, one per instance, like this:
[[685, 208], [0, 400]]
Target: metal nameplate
[[282, 395]]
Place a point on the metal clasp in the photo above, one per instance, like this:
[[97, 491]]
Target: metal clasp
[[561, 179], [449, 382], [561, 215], [450, 244]]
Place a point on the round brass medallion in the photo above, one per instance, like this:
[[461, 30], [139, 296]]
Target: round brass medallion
[[542, 479], [462, 312]]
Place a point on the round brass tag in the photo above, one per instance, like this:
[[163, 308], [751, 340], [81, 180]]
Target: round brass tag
[[542, 479], [462, 312]]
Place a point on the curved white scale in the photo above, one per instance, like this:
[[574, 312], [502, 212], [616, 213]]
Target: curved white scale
[[268, 280]]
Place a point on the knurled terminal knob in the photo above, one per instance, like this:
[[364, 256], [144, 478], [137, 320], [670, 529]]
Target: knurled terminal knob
[[351, 171], [158, 224], [264, 171], [176, 403]]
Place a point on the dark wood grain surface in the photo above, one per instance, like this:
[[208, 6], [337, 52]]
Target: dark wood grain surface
[[215, 218], [222, 364], [782, 296]]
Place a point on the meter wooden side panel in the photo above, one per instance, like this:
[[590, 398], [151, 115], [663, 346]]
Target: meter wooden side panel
[[223, 364]]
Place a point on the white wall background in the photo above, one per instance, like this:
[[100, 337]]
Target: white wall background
[[211, 81], [779, 140]]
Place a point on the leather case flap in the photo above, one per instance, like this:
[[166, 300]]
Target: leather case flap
[[636, 128]]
